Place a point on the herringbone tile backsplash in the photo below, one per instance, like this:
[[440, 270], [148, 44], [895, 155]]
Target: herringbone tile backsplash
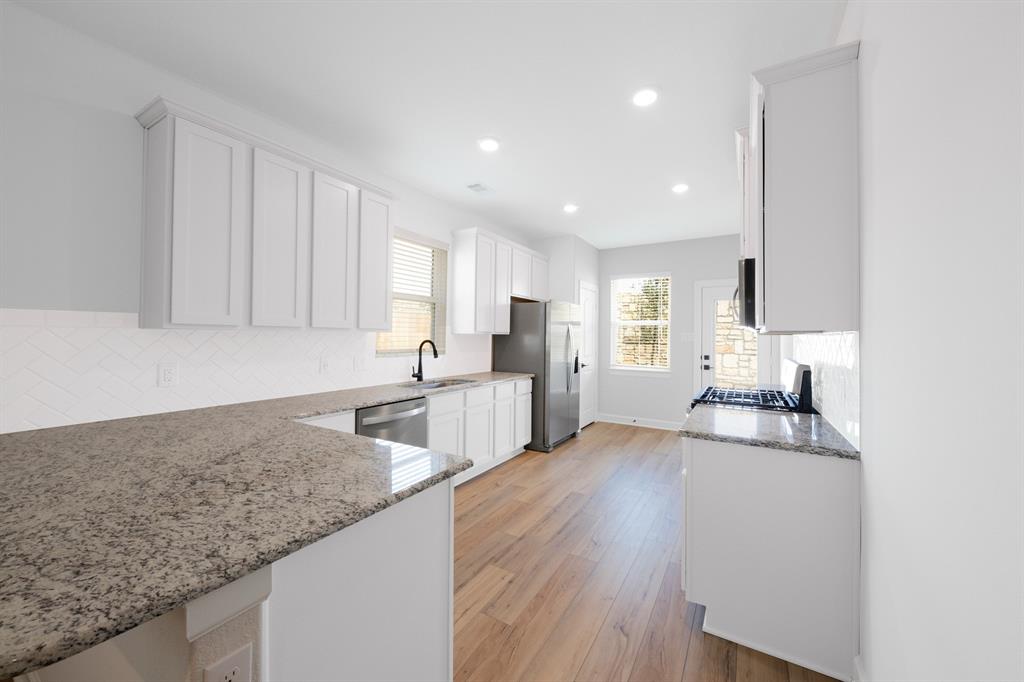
[[68, 367]]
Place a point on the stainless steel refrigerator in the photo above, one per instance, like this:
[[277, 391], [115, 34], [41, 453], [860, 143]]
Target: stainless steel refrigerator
[[544, 340]]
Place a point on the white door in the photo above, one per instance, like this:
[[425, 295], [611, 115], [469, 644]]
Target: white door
[[539, 279], [524, 419], [206, 226], [376, 228], [335, 252], [280, 241], [727, 353], [588, 354]]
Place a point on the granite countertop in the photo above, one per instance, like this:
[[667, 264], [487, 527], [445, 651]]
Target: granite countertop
[[109, 524], [810, 433]]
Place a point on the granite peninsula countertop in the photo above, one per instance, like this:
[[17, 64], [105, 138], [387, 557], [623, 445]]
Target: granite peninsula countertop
[[109, 524], [810, 433]]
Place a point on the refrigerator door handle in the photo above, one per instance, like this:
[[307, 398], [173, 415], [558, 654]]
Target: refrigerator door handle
[[568, 365]]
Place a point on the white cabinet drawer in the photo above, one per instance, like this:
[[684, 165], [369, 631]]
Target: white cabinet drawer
[[524, 386], [505, 390], [479, 396], [443, 404]]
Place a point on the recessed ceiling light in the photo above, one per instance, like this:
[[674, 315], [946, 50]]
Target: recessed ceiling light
[[488, 144], [570, 208], [645, 98], [680, 188]]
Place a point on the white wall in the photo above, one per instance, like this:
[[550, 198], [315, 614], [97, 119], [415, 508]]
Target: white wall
[[835, 376], [660, 399], [70, 232], [941, 338]]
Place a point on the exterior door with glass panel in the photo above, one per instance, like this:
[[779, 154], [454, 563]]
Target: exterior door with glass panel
[[728, 352]]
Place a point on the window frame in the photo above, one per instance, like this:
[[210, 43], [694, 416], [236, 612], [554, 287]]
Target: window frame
[[440, 301], [614, 323]]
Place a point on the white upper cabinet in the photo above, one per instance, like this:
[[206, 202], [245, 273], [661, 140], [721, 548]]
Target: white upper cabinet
[[221, 204], [485, 270], [280, 241], [207, 226], [376, 230], [539, 278], [804, 193], [522, 276], [502, 288], [335, 252]]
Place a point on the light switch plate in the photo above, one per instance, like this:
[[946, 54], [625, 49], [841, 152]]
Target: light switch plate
[[235, 667]]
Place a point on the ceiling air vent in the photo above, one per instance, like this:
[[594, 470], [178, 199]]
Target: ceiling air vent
[[477, 187]]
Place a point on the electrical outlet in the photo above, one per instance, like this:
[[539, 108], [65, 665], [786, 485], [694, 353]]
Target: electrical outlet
[[167, 374], [235, 667], [325, 364]]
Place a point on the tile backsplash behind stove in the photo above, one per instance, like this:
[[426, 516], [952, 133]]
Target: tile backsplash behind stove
[[835, 370]]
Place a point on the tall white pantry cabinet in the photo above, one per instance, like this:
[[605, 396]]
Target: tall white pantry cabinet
[[239, 230]]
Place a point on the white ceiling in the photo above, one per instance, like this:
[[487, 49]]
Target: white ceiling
[[411, 86]]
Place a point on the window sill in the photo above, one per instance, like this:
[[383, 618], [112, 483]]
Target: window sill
[[633, 371]]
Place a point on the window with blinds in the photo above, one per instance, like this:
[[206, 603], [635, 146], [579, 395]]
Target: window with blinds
[[640, 322], [419, 279]]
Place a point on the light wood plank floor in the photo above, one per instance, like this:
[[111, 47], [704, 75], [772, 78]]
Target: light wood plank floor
[[567, 568]]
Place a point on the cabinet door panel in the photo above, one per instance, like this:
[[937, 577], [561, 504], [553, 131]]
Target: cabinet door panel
[[504, 426], [444, 434], [522, 266], [375, 232], [523, 417], [280, 241], [539, 279], [206, 226], [479, 441], [502, 288], [484, 285], [335, 252]]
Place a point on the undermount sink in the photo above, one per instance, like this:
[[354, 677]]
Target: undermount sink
[[444, 383]]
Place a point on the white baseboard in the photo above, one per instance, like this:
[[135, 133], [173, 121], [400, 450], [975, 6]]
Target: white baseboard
[[640, 421], [859, 674], [712, 630], [477, 469]]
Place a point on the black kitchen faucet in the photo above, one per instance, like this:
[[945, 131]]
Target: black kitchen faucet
[[417, 372]]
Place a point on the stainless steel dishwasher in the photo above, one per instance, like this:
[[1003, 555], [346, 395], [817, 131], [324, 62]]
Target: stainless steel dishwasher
[[404, 422]]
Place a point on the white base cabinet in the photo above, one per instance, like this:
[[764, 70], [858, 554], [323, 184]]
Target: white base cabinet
[[771, 547], [488, 424]]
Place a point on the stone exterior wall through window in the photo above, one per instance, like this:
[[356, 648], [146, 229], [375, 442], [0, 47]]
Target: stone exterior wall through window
[[735, 350]]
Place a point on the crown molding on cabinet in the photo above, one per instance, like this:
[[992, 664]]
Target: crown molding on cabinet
[[833, 56], [161, 107]]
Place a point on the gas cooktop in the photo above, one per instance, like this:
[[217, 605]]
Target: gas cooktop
[[754, 399]]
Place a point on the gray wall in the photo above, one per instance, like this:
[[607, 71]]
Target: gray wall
[[660, 398]]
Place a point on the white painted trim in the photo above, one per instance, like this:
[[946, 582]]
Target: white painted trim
[[640, 421], [801, 66], [859, 673], [477, 469], [409, 235], [265, 639], [213, 609], [711, 630], [160, 107], [32, 317]]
